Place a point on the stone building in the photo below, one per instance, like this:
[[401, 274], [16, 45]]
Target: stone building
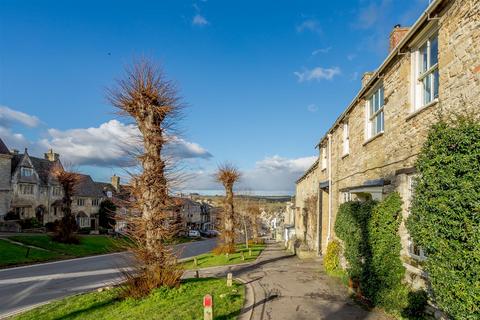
[[432, 71], [28, 189]]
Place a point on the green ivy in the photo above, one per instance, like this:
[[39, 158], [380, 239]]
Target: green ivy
[[386, 271], [445, 215], [369, 232]]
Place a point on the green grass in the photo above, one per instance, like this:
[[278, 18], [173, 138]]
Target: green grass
[[12, 254], [89, 245], [184, 302], [212, 260]]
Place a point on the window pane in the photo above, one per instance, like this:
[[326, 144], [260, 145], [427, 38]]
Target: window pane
[[423, 59], [373, 126], [379, 122], [426, 89], [435, 84], [371, 106], [381, 97], [433, 51]]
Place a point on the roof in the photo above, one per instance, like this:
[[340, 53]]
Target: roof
[[3, 148], [377, 74], [42, 166], [312, 167], [86, 187]]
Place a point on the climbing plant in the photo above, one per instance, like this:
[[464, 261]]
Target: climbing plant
[[445, 215]]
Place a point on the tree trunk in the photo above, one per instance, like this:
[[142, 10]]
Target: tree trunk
[[229, 218]]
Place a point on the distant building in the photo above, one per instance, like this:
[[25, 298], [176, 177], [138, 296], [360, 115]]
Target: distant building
[[28, 189]]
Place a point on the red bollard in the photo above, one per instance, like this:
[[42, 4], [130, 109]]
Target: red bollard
[[207, 307]]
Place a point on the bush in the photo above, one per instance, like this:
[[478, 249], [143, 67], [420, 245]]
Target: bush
[[351, 226], [30, 223], [369, 231], [417, 301], [11, 216], [52, 226], [445, 215], [106, 214], [385, 270], [332, 257]]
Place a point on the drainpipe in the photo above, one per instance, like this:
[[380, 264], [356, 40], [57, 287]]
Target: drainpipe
[[329, 168]]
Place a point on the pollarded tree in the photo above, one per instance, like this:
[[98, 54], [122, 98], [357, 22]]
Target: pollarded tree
[[152, 101], [68, 226], [228, 175]]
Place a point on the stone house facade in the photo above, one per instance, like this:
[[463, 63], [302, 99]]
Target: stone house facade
[[432, 71], [28, 189]]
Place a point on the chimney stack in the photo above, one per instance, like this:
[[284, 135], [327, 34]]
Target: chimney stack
[[396, 36], [116, 182], [51, 156], [366, 77]]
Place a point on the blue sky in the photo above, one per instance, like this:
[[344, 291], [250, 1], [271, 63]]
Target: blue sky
[[263, 80]]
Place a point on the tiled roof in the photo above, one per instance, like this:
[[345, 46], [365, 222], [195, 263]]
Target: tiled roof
[[86, 187], [3, 148]]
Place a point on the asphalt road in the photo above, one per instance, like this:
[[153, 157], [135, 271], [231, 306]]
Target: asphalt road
[[24, 287]]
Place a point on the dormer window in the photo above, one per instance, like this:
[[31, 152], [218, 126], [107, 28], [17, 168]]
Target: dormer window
[[26, 172]]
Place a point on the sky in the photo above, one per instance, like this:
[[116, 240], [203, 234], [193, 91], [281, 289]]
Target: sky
[[262, 80]]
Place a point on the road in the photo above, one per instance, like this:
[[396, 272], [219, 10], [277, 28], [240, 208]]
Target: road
[[24, 287]]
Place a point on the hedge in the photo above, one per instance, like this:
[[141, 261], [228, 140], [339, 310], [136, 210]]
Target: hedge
[[369, 232], [445, 215]]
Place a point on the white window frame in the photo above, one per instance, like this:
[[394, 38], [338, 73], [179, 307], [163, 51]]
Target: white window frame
[[372, 115], [346, 139], [24, 171], [324, 158], [346, 196], [414, 251], [80, 202], [431, 74], [95, 202]]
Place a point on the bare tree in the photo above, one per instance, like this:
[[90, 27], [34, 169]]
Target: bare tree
[[65, 231], [152, 101], [254, 215], [227, 175]]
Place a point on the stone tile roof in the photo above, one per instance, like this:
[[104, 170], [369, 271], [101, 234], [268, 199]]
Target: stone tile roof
[[86, 187], [42, 166], [3, 148]]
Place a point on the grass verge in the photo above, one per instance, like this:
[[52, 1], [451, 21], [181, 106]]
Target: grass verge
[[184, 302], [89, 245], [212, 260], [13, 254]]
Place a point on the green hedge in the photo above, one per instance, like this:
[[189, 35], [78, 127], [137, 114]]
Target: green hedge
[[445, 215], [369, 232]]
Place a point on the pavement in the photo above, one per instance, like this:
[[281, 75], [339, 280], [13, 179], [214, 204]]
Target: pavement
[[280, 286], [22, 288]]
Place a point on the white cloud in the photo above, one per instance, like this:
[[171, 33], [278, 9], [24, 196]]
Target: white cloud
[[9, 116], [321, 50], [199, 20], [351, 56], [13, 140], [311, 25], [312, 108], [269, 174], [317, 73], [111, 144]]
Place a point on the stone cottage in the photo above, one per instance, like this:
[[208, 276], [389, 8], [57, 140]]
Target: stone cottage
[[432, 71], [28, 189]]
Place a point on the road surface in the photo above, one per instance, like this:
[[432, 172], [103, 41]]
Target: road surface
[[24, 287]]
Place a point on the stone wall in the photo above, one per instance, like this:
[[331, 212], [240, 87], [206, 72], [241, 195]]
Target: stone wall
[[391, 155]]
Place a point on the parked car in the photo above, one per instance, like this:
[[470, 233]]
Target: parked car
[[193, 233]]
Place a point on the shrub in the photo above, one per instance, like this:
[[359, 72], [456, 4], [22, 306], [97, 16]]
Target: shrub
[[11, 215], [52, 226], [332, 257], [351, 227], [417, 301], [29, 223], [106, 214], [445, 215], [385, 270], [369, 231]]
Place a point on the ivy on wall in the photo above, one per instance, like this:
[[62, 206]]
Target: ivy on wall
[[445, 215], [369, 232]]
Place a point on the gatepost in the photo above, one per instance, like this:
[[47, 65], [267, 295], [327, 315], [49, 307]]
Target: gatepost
[[207, 307]]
